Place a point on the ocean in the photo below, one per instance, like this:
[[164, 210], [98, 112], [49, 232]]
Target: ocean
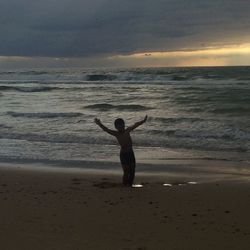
[[46, 115]]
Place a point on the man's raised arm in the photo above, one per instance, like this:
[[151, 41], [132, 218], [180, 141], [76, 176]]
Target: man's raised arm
[[137, 124], [104, 128]]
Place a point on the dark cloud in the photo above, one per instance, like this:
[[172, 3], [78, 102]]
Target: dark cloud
[[82, 28]]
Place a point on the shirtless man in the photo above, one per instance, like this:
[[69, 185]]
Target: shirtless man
[[127, 156]]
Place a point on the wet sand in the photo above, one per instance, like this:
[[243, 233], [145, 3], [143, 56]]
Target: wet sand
[[79, 210]]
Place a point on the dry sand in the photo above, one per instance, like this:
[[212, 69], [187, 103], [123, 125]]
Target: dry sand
[[77, 210]]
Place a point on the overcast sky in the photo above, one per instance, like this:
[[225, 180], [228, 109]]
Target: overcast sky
[[104, 28]]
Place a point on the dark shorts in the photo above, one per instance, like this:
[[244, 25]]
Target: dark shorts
[[127, 158]]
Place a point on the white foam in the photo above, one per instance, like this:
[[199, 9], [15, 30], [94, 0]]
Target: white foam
[[167, 185], [192, 182]]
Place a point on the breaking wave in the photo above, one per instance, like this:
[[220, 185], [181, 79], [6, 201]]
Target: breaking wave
[[27, 89], [44, 115], [105, 107], [100, 77]]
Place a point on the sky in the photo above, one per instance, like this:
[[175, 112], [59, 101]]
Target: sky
[[110, 33]]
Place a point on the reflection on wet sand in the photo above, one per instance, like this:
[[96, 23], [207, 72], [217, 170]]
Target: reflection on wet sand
[[179, 183], [137, 186]]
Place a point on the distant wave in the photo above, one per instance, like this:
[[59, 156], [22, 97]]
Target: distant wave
[[181, 78], [100, 77], [4, 126], [30, 72], [176, 119], [34, 72], [135, 74], [104, 107], [162, 132], [231, 110], [140, 76], [43, 115], [27, 89]]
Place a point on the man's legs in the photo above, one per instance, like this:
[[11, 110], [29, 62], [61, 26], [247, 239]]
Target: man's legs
[[131, 174]]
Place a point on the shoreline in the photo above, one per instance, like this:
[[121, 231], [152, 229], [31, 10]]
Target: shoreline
[[188, 170]]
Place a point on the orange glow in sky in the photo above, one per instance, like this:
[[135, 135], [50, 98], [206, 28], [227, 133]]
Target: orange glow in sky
[[243, 49], [234, 55]]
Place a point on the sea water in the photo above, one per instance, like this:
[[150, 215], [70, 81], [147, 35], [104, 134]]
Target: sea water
[[46, 115]]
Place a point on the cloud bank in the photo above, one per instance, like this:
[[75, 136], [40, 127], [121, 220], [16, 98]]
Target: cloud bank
[[91, 28]]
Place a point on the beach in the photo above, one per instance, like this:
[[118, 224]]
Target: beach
[[44, 208], [60, 175], [124, 125]]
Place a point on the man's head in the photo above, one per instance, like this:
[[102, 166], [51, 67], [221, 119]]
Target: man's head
[[119, 124]]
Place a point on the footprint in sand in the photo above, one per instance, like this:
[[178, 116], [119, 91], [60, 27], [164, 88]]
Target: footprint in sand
[[141, 248], [105, 184], [76, 181]]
